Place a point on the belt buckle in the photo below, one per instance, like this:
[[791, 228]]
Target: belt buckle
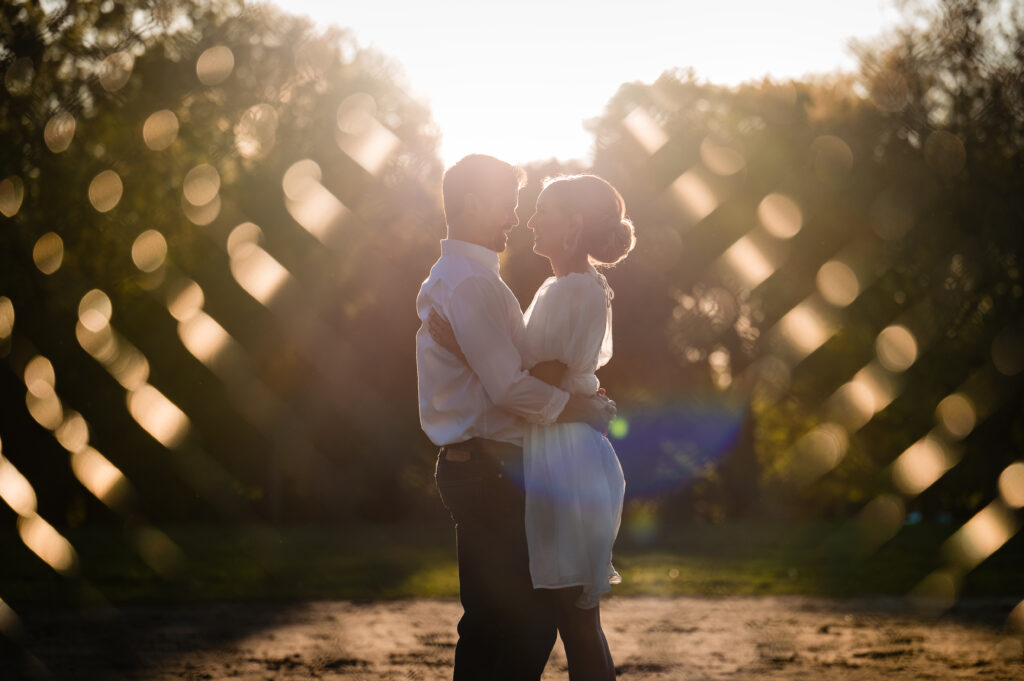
[[456, 455]]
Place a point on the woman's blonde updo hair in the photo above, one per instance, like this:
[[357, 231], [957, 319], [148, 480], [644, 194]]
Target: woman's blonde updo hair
[[608, 235]]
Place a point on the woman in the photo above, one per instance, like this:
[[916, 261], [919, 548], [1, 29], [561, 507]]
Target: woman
[[574, 483]]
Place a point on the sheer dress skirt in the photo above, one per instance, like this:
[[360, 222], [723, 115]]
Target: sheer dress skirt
[[574, 491]]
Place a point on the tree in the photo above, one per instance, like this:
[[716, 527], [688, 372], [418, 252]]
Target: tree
[[279, 179], [796, 238]]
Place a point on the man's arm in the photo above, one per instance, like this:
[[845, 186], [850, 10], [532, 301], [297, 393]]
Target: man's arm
[[551, 371], [479, 318], [595, 411]]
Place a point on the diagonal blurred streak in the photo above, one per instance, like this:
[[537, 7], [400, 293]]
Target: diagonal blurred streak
[[38, 535], [645, 130], [875, 386], [361, 136], [12, 629], [269, 283], [312, 205], [211, 344], [93, 470], [751, 259], [812, 322], [151, 409], [933, 456]]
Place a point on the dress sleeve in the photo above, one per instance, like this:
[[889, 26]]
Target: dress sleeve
[[580, 324]]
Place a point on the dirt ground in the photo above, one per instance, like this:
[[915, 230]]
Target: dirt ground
[[650, 638]]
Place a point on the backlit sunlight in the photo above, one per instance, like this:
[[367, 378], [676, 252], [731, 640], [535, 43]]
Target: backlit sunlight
[[518, 81]]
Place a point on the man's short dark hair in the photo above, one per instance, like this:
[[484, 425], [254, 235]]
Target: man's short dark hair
[[477, 174]]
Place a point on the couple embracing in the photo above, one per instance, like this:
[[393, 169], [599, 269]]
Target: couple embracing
[[512, 399]]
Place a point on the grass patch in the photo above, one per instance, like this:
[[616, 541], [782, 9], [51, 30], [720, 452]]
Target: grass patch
[[387, 562]]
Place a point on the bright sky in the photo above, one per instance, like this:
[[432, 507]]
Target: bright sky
[[517, 79]]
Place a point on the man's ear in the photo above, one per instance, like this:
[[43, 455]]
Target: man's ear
[[471, 204]]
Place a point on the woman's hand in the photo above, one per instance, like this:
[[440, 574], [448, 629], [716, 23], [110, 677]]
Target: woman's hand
[[442, 333], [596, 411]]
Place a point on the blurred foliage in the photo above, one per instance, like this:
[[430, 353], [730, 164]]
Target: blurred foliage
[[340, 365], [906, 172]]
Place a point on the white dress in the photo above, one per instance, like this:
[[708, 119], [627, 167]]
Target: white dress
[[574, 483]]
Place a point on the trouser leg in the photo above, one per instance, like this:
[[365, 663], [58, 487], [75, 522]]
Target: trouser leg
[[508, 628]]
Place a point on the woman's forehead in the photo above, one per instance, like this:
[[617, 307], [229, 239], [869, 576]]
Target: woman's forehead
[[546, 196]]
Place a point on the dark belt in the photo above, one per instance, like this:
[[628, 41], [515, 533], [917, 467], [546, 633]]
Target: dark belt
[[479, 447]]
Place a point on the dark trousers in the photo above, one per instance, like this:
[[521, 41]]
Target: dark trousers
[[507, 628]]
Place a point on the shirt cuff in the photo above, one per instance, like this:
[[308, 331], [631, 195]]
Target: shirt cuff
[[552, 410]]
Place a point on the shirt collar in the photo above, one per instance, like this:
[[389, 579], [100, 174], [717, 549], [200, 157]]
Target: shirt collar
[[472, 251]]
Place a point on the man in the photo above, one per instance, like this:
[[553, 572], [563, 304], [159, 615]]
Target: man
[[475, 407]]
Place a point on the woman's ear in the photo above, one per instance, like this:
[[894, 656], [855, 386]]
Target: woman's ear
[[576, 222], [573, 233]]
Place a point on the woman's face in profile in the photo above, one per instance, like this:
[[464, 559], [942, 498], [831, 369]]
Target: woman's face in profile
[[550, 225]]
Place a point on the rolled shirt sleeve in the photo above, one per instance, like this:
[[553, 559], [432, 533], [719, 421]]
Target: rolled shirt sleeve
[[480, 321]]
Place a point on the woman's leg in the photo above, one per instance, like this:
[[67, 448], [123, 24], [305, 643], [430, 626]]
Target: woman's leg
[[586, 648]]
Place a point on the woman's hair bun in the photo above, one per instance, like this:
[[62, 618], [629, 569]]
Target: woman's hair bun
[[614, 244], [608, 235]]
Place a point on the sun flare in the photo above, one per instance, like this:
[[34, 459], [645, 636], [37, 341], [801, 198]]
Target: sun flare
[[519, 81]]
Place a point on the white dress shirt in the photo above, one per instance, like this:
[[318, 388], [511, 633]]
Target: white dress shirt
[[494, 396]]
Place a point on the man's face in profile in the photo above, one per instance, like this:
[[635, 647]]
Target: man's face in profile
[[498, 216]]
